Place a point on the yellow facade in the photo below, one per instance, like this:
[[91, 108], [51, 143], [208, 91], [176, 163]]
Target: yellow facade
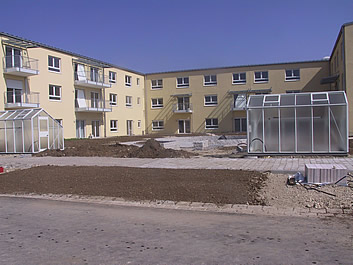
[[97, 99]]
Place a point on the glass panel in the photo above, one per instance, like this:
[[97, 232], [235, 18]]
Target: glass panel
[[271, 98], [18, 138], [255, 130], [338, 129], [243, 125], [287, 135], [271, 130], [304, 129], [287, 100], [2, 137], [319, 96], [336, 98], [320, 129], [237, 125], [255, 101], [187, 126], [181, 127], [303, 99]]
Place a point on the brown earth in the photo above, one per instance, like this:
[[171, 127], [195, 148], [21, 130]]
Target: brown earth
[[110, 147], [194, 185]]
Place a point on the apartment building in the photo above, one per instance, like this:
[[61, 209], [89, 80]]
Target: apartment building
[[97, 99], [89, 97]]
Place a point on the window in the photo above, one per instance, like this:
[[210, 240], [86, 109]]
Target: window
[[211, 100], [292, 91], [261, 77], [157, 125], [183, 82], [138, 100], [113, 99], [156, 84], [210, 80], [211, 124], [239, 101], [128, 101], [157, 103], [53, 64], [292, 75], [54, 92], [138, 81], [139, 124], [239, 78], [113, 125], [112, 77], [127, 80], [240, 125]]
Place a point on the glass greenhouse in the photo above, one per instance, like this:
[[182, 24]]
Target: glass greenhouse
[[29, 131], [298, 123]]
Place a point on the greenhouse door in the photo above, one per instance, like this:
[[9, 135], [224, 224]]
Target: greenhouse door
[[43, 133]]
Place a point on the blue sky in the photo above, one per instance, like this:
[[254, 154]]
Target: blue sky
[[157, 35]]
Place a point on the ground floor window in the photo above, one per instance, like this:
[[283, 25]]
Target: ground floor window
[[113, 125], [157, 125], [184, 126], [211, 124], [95, 129], [240, 125], [80, 129]]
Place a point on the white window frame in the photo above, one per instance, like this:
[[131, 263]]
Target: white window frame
[[157, 84], [113, 99], [242, 130], [54, 96], [51, 64], [138, 81], [128, 101], [157, 125], [212, 80], [290, 76], [261, 79], [210, 100], [213, 124], [157, 103], [128, 80], [113, 125], [237, 80], [184, 82], [112, 77]]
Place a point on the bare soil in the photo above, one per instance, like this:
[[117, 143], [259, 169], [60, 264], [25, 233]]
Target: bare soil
[[195, 185], [110, 147]]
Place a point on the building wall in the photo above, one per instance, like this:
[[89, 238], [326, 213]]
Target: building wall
[[310, 76], [348, 73]]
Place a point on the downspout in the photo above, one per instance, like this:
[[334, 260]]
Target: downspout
[[104, 114], [145, 101]]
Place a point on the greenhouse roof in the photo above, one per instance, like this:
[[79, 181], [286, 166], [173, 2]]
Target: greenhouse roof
[[297, 99], [20, 114]]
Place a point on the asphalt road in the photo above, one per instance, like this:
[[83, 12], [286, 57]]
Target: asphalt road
[[48, 232]]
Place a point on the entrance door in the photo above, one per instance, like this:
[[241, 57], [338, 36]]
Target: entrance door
[[184, 126], [240, 125], [13, 57], [129, 127], [43, 133], [95, 129], [80, 129]]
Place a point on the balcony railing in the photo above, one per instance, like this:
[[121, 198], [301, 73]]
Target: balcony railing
[[92, 105], [238, 105], [182, 108], [20, 65], [21, 100], [91, 79]]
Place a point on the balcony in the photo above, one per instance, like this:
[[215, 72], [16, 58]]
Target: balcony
[[234, 106], [20, 66], [92, 105], [19, 99], [91, 79], [182, 108]]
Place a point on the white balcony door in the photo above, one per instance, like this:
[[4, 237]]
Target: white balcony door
[[184, 126], [80, 129], [183, 103], [129, 124], [95, 129], [94, 100], [13, 57]]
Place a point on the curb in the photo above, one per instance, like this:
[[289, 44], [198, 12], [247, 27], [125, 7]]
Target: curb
[[189, 206]]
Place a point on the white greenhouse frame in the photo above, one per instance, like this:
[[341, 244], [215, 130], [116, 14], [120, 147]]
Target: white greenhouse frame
[[29, 131], [300, 123]]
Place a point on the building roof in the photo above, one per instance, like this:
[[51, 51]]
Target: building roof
[[236, 66], [38, 44], [339, 34]]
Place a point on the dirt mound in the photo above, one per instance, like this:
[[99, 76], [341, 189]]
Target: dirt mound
[[97, 147], [153, 149]]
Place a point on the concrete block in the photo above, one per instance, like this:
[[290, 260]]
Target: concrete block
[[325, 173]]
